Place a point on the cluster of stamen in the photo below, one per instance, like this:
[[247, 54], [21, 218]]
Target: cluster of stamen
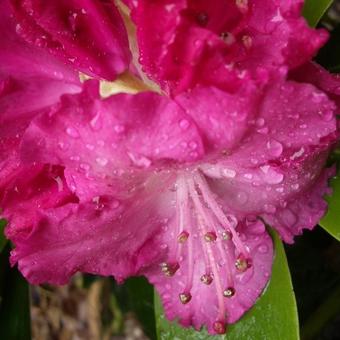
[[218, 238]]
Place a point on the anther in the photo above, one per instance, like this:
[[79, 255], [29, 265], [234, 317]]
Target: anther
[[242, 264], [206, 279], [210, 236], [169, 269], [185, 298], [229, 292], [227, 235], [182, 237], [219, 327]]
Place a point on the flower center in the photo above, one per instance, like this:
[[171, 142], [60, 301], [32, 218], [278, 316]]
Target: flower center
[[200, 216]]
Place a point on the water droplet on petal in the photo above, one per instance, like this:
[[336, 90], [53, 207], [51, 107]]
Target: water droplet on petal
[[119, 128], [184, 124], [269, 208], [263, 249], [288, 217], [230, 173], [275, 148], [96, 122], [102, 161], [72, 132]]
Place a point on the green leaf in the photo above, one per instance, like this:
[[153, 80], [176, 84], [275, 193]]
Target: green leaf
[[14, 302], [141, 296], [3, 240], [313, 10], [331, 222], [274, 316]]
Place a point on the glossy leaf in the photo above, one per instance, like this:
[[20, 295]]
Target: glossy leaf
[[3, 240], [141, 297], [314, 10], [331, 222], [14, 303], [274, 316]]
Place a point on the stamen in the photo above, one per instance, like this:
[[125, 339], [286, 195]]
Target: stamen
[[206, 279], [185, 298], [210, 236], [215, 208], [224, 253], [184, 218], [229, 292], [227, 235], [169, 269], [242, 263], [207, 247], [183, 237], [220, 327]]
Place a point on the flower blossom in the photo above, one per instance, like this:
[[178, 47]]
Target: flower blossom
[[220, 43], [177, 188]]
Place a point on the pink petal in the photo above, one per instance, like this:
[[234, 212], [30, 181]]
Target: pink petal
[[222, 118], [315, 74], [101, 139], [303, 212], [25, 191], [88, 34], [281, 159], [30, 79], [103, 236], [257, 37], [208, 305]]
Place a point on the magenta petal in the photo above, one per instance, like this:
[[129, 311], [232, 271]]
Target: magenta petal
[[222, 118], [121, 131], [315, 74], [89, 34], [303, 212], [25, 191], [221, 43], [196, 294], [99, 140], [104, 236]]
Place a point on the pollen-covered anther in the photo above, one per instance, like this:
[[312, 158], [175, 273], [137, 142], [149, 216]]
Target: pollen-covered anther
[[210, 236], [242, 264], [185, 298], [206, 279], [229, 292], [169, 269], [227, 235], [220, 327], [183, 237]]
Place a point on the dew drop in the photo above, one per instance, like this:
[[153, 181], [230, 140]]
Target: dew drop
[[263, 249], [275, 148], [102, 161], [184, 124], [229, 173], [72, 132], [96, 123], [119, 128]]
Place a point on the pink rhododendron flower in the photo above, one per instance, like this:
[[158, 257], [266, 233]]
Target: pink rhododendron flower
[[179, 188], [89, 34], [220, 43]]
